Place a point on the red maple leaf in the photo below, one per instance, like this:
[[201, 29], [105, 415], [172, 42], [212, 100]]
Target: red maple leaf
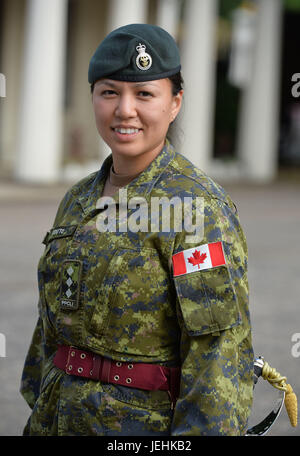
[[197, 258]]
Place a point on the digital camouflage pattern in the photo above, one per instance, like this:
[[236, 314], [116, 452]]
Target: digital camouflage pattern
[[114, 294]]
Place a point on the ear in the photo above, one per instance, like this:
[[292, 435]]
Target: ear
[[176, 105]]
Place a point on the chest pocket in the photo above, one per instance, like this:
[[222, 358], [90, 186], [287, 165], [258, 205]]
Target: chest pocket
[[132, 310], [114, 301]]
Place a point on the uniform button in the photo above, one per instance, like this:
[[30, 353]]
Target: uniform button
[[130, 366], [128, 380], [82, 355], [118, 364], [72, 353], [70, 367], [79, 370], [116, 378]]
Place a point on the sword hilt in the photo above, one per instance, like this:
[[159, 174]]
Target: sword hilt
[[257, 369]]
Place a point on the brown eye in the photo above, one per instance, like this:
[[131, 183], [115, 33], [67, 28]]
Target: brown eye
[[145, 94], [108, 93]]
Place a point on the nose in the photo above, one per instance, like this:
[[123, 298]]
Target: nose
[[126, 107]]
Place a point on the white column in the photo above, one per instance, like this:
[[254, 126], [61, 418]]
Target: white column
[[259, 121], [12, 35], [198, 70], [168, 16], [123, 12], [2, 85], [39, 142]]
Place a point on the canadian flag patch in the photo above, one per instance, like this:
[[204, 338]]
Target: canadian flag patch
[[204, 256]]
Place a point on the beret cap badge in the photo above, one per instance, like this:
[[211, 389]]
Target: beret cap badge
[[143, 60]]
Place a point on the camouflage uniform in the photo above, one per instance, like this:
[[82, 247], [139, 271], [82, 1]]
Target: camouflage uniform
[[125, 304]]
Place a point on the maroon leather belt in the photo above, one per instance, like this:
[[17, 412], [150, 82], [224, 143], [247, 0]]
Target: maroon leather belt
[[135, 375]]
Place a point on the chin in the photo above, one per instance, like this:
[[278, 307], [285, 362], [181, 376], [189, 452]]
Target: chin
[[126, 150]]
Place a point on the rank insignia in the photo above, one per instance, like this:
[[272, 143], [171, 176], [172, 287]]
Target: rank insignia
[[143, 60], [70, 285]]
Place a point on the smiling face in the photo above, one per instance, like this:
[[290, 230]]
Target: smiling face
[[133, 117]]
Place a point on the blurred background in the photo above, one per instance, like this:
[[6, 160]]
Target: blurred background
[[240, 123]]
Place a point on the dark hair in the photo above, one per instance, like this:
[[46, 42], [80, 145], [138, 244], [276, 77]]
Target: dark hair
[[174, 132], [177, 83]]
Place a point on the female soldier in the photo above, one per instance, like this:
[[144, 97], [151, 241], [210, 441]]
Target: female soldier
[[141, 331]]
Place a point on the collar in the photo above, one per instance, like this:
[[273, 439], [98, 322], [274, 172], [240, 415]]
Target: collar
[[141, 186]]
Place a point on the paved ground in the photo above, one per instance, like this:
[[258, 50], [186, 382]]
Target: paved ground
[[271, 219]]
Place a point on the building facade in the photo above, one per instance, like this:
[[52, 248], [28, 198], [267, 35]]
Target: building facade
[[47, 129]]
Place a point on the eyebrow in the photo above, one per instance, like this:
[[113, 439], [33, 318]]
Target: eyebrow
[[111, 84], [136, 84]]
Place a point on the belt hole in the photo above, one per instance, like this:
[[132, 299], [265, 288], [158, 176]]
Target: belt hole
[[118, 364], [70, 367], [130, 366], [80, 369], [83, 355], [116, 378], [128, 380]]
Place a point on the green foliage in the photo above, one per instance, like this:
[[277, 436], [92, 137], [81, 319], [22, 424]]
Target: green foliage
[[227, 6], [292, 5]]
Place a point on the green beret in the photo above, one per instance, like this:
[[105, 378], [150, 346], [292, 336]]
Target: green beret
[[135, 52]]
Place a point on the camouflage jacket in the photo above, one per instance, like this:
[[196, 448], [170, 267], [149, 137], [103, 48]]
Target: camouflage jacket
[[114, 293]]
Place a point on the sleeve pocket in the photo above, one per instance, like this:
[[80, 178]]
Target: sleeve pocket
[[208, 301]]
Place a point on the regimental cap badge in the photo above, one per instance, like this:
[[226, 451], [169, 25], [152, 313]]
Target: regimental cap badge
[[143, 60]]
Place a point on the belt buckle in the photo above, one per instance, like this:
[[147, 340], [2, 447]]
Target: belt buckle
[[95, 372]]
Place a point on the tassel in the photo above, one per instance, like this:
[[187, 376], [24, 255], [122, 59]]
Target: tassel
[[291, 405], [279, 382]]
